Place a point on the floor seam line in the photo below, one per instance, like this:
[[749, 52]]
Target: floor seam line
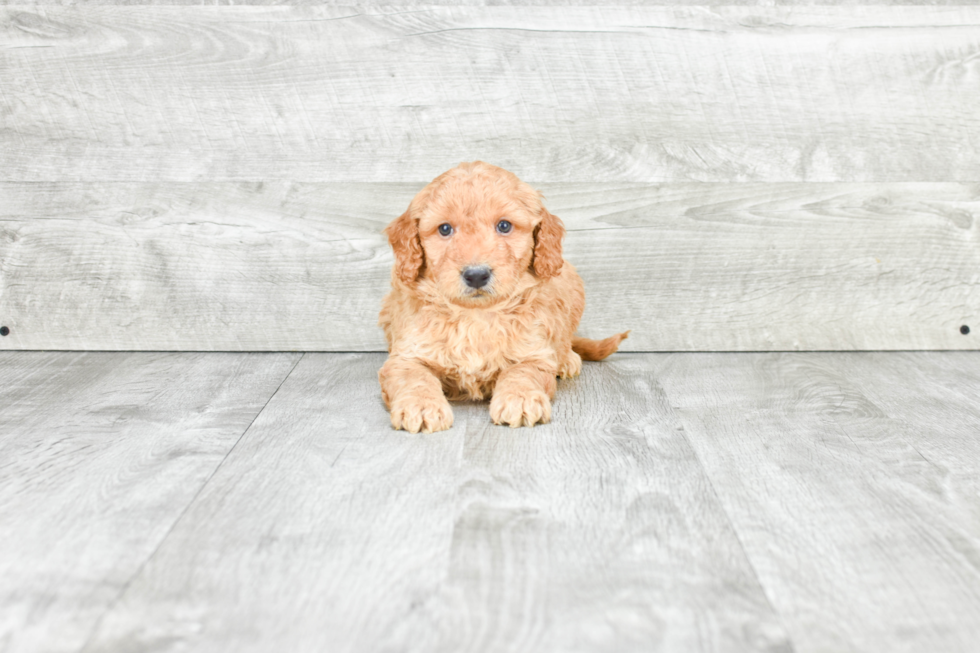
[[728, 517], [180, 517]]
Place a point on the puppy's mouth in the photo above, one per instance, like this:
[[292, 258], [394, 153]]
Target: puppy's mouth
[[477, 294]]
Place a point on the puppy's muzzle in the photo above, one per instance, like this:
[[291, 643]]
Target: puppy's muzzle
[[476, 276]]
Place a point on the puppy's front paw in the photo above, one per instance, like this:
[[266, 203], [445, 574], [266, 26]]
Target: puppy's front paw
[[516, 408], [571, 367], [426, 414]]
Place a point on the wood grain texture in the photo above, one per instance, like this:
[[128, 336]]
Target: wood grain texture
[[596, 532], [677, 502], [294, 266], [861, 541], [326, 530], [190, 93], [933, 397], [502, 3], [99, 455], [194, 267], [323, 530]]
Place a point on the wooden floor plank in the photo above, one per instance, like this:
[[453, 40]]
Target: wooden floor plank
[[934, 395], [293, 266], [860, 542], [933, 399], [99, 455], [326, 530], [679, 502], [596, 532], [322, 530]]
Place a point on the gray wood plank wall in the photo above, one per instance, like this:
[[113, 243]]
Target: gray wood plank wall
[[733, 178]]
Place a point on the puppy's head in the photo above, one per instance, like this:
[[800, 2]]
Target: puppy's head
[[474, 233]]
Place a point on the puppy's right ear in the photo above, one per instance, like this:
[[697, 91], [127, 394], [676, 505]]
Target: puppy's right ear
[[403, 234]]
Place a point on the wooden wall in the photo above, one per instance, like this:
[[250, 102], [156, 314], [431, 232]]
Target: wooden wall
[[176, 176]]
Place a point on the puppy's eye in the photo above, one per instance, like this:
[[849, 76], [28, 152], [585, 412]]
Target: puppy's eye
[[504, 227], [445, 229]]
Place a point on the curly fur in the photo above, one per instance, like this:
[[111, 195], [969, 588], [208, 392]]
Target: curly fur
[[508, 340]]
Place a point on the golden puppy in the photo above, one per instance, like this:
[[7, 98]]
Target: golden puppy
[[481, 303]]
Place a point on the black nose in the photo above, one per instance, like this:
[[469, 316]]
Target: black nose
[[476, 276]]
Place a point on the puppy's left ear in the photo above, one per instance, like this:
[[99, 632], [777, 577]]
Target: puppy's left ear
[[547, 259]]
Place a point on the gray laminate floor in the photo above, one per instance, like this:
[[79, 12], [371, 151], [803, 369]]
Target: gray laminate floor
[[683, 502]]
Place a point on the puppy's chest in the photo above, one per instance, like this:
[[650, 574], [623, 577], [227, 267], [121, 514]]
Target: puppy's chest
[[480, 344]]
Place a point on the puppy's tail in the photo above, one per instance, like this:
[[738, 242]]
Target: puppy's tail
[[596, 350]]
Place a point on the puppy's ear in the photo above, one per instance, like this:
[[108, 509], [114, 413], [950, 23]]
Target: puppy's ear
[[547, 259], [403, 234]]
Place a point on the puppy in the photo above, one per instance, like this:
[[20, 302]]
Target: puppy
[[481, 303]]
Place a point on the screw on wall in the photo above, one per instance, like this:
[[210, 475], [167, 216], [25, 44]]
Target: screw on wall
[[4, 331], [965, 330]]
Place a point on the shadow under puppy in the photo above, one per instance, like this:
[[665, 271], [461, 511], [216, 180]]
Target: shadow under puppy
[[482, 303]]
